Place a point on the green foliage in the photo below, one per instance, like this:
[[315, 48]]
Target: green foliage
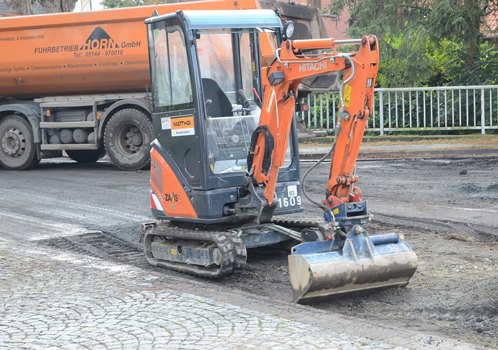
[[442, 60], [457, 19], [402, 64], [375, 16], [479, 68], [425, 42], [438, 19]]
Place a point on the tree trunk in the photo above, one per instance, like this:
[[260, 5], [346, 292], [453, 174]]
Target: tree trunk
[[20, 7], [54, 6], [475, 23], [25, 7]]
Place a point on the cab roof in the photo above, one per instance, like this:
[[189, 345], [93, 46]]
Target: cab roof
[[225, 19]]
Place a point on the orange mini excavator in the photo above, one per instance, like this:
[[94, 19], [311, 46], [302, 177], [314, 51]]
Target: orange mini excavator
[[225, 167]]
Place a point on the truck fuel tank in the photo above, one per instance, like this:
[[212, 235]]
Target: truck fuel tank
[[83, 53]]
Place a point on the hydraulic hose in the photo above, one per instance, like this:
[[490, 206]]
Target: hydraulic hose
[[338, 128], [309, 170]]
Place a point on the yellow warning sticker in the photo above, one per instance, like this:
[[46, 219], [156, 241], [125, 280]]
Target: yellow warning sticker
[[336, 211], [269, 101], [174, 251], [347, 95]]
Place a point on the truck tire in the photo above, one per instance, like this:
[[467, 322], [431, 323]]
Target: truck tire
[[17, 150], [86, 156], [127, 139]]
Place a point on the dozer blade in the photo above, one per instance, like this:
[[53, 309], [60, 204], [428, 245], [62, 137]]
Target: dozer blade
[[320, 269]]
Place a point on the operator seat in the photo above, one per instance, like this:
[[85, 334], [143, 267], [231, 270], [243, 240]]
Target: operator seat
[[221, 105]]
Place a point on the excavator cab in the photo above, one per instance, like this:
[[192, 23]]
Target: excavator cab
[[206, 86]]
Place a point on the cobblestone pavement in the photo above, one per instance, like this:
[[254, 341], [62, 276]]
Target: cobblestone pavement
[[54, 300], [50, 299]]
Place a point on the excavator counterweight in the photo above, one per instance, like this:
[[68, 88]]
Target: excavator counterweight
[[225, 160]]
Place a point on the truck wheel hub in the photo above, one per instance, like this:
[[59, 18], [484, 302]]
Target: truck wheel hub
[[134, 138], [13, 143]]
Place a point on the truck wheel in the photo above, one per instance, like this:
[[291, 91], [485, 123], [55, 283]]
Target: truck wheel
[[86, 156], [127, 139], [17, 150]]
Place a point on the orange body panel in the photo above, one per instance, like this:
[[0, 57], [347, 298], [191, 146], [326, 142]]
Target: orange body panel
[[85, 53], [168, 189]]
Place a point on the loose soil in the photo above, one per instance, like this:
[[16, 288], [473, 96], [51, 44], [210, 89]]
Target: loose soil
[[454, 291]]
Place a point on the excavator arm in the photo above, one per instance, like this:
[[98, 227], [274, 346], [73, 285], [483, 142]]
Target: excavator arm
[[349, 259], [281, 81]]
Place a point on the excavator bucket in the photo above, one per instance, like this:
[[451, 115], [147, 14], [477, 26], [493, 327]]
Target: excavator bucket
[[321, 268]]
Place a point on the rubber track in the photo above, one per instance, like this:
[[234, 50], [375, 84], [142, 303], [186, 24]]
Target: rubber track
[[240, 252], [231, 247]]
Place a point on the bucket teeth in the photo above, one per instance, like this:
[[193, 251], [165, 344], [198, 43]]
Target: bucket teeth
[[316, 270]]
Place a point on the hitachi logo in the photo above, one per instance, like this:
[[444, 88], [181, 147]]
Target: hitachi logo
[[308, 67], [99, 40]]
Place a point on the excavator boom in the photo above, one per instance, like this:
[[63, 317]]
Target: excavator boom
[[281, 81]]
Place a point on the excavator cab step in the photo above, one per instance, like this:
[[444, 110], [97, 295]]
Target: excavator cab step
[[319, 269]]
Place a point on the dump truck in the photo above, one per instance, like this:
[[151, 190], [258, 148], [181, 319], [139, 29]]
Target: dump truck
[[79, 83], [225, 164]]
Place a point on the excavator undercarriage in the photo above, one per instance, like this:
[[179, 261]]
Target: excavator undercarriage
[[208, 254], [202, 252]]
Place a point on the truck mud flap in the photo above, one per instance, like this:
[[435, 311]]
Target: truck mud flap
[[317, 269]]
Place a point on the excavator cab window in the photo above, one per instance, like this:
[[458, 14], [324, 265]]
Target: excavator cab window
[[172, 83], [231, 87], [228, 59]]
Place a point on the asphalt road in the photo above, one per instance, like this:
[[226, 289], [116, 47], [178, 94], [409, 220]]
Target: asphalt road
[[61, 198]]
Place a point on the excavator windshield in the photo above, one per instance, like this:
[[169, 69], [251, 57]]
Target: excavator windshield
[[218, 62], [228, 61]]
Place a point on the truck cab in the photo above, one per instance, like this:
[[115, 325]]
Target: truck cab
[[206, 86]]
